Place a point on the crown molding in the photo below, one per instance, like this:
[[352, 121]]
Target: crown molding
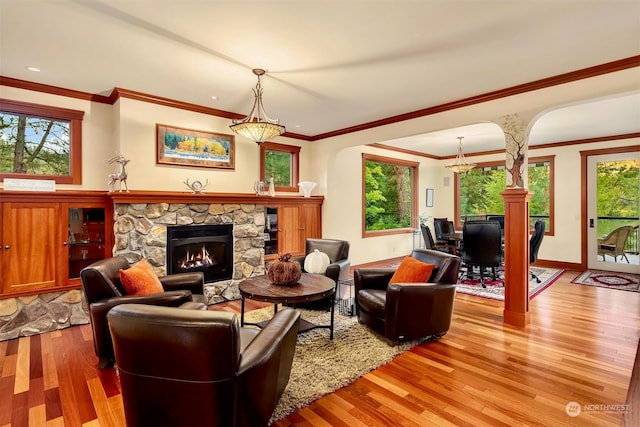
[[585, 73]]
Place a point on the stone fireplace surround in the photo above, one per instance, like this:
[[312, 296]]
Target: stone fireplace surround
[[141, 232], [145, 214]]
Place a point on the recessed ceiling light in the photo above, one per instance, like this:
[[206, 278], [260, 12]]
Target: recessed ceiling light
[[34, 69], [214, 97]]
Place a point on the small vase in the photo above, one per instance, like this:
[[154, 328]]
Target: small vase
[[306, 187], [272, 187]]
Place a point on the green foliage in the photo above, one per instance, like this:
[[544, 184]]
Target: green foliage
[[617, 184], [34, 145], [539, 184], [480, 191], [278, 165], [388, 197]]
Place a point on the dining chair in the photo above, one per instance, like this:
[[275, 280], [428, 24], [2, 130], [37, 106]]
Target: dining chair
[[534, 245], [429, 243], [482, 248]]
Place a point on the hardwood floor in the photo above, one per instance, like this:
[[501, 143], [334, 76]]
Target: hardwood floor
[[580, 347]]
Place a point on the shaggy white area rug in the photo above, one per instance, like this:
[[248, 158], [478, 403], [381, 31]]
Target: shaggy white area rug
[[321, 365]]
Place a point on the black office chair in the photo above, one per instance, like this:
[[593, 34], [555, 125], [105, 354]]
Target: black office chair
[[444, 230], [499, 218], [534, 245], [429, 243], [482, 248]]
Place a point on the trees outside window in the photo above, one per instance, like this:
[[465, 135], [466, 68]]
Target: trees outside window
[[618, 201], [40, 142], [390, 195], [479, 191], [282, 162]]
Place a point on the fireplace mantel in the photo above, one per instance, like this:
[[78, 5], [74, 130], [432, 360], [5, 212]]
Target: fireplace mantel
[[186, 197]]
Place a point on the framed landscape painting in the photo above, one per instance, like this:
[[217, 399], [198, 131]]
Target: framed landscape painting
[[187, 147]]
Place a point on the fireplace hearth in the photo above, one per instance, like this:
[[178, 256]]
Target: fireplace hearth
[[204, 247]]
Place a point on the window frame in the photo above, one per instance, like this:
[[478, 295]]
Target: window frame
[[294, 151], [414, 167], [74, 117], [540, 159]]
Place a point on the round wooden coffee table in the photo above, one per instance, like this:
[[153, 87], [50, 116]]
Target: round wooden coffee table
[[310, 287]]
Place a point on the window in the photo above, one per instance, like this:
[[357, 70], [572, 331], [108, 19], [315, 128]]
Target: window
[[390, 195], [282, 162], [40, 142], [478, 192]]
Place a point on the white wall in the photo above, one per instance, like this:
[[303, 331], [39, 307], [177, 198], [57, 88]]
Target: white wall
[[137, 137], [129, 127], [334, 163]]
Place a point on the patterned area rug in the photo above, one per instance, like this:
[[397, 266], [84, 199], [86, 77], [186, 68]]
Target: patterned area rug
[[321, 365], [495, 289], [608, 279]]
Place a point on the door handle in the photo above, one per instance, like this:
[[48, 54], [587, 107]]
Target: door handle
[[591, 224]]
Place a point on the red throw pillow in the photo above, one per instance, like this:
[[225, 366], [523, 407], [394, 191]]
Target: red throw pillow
[[140, 279], [411, 270]]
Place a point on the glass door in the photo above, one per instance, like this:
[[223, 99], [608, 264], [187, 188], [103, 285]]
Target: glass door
[[613, 209], [86, 238]]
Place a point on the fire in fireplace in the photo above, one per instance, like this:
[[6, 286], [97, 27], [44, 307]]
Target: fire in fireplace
[[204, 247], [197, 261]]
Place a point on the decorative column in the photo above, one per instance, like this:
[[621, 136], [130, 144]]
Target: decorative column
[[516, 256], [516, 222]]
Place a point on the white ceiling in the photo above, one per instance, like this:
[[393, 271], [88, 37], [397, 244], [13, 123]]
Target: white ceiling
[[333, 64]]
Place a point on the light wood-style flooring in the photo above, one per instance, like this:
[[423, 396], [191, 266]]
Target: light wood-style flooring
[[580, 347]]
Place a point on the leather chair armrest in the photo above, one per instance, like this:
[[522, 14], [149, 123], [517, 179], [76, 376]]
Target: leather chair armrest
[[266, 361], [333, 272], [448, 272], [372, 278], [99, 309], [343, 267], [192, 305], [300, 259], [410, 304], [193, 282], [169, 299]]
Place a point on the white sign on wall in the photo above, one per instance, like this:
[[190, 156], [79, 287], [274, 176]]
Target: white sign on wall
[[29, 184]]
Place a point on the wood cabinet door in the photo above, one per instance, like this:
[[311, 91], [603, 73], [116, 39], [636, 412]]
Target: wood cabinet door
[[311, 220], [289, 229], [31, 246]]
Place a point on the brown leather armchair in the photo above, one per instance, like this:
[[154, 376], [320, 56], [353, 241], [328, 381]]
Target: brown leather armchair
[[200, 368], [403, 311], [338, 268], [338, 252], [103, 291]]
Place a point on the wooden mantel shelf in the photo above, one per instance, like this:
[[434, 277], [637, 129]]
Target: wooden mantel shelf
[[186, 197], [155, 197]]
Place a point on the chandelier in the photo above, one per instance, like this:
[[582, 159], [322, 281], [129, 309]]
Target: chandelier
[[460, 165], [257, 126]]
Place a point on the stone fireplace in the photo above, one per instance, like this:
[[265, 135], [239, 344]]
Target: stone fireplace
[[141, 231]]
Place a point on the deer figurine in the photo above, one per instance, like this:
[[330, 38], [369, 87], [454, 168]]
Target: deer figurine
[[120, 177]]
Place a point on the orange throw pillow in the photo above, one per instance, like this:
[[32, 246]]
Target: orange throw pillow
[[411, 270], [140, 279]]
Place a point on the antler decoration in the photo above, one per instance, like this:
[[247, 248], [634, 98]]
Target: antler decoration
[[196, 186]]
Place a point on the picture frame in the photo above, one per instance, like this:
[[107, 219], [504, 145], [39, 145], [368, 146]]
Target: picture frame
[[429, 197], [195, 148]]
